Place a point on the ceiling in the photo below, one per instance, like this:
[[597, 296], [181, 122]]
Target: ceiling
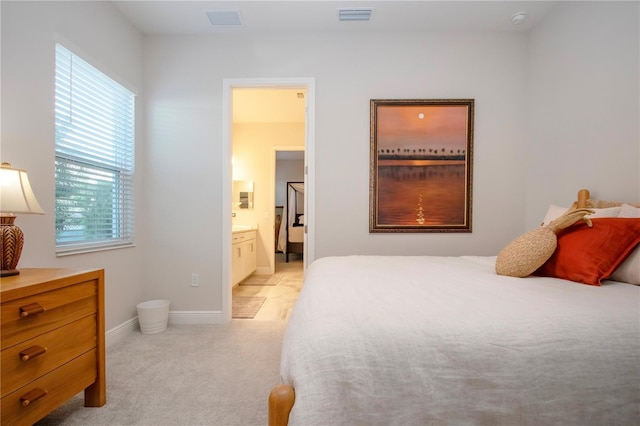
[[185, 17], [189, 17]]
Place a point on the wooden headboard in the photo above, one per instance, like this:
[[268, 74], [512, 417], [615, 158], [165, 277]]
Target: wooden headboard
[[583, 197], [584, 200]]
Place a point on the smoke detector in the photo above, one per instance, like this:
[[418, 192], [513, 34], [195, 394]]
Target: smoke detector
[[519, 18]]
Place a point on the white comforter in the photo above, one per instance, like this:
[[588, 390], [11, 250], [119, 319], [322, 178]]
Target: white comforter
[[443, 340], [296, 234]]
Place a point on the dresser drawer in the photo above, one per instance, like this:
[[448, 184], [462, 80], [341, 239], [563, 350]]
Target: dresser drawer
[[46, 311], [46, 352], [56, 388]]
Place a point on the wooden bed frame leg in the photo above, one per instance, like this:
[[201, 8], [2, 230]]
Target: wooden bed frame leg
[[281, 401]]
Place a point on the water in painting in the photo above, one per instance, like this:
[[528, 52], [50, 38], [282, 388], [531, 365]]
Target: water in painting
[[421, 192]]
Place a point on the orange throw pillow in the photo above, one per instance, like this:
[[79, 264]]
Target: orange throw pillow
[[590, 255]]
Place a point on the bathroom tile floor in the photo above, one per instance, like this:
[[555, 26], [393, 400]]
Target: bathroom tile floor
[[280, 297]]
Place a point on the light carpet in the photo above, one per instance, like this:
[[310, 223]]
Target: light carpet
[[246, 307], [187, 375]]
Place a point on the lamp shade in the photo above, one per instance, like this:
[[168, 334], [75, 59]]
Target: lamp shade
[[16, 195]]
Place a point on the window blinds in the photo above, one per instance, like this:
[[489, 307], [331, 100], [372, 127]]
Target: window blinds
[[94, 123]]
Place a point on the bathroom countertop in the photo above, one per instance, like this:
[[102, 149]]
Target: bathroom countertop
[[235, 229]]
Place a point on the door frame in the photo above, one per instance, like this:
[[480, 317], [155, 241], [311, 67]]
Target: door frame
[[228, 84]]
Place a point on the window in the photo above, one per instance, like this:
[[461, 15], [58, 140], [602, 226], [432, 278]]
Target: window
[[94, 120]]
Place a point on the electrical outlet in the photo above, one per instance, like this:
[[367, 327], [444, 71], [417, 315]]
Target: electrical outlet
[[195, 279]]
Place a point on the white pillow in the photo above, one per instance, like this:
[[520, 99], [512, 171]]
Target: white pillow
[[555, 212], [629, 270], [627, 210]]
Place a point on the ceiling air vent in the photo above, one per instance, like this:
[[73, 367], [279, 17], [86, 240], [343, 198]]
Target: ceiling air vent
[[355, 14], [225, 18]]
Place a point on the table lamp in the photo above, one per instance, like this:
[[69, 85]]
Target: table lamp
[[16, 196]]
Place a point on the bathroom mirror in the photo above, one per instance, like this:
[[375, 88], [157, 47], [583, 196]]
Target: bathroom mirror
[[242, 194]]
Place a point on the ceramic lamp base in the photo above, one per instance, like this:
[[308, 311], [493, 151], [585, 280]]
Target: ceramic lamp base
[[11, 245]]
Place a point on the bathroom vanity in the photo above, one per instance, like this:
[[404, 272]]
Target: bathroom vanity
[[243, 253]]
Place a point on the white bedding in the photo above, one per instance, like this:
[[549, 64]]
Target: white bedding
[[444, 340], [296, 234]]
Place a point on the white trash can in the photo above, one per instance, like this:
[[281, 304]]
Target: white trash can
[[153, 316]]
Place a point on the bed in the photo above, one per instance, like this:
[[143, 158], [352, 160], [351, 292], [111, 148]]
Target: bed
[[291, 237], [402, 340]]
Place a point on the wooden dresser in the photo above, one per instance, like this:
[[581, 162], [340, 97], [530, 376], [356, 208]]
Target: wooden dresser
[[52, 341]]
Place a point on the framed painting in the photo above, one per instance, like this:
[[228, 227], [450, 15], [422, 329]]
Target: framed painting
[[421, 165]]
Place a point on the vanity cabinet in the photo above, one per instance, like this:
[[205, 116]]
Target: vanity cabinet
[[243, 255]]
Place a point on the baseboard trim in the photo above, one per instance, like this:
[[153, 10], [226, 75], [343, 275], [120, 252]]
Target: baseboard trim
[[121, 331], [195, 317]]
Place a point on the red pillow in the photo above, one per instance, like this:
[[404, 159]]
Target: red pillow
[[590, 255]]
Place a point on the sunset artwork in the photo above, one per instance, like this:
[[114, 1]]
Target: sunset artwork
[[421, 163]]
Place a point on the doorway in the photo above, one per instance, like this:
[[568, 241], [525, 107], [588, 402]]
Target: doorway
[[289, 223], [265, 217]]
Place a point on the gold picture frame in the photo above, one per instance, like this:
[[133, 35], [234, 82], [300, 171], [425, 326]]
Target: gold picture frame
[[421, 164]]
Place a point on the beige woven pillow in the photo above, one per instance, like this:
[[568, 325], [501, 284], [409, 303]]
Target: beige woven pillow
[[602, 204], [522, 256]]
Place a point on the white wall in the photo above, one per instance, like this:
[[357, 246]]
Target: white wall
[[583, 127], [184, 93], [287, 171], [99, 33], [184, 76]]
